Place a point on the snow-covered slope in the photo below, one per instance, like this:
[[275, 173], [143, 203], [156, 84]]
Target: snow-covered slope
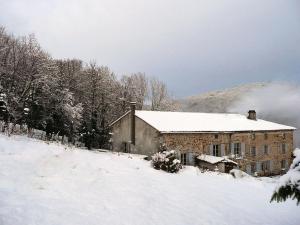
[[48, 184]]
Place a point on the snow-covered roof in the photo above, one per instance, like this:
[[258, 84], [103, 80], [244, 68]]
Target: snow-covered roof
[[214, 159], [168, 122]]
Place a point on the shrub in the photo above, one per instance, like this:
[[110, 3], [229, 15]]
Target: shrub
[[166, 161]]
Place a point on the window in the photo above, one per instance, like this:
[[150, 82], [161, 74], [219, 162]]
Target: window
[[216, 150], [265, 166], [183, 158], [283, 136], [266, 136], [126, 147], [216, 136], [283, 148], [283, 164], [253, 167], [252, 136], [253, 151], [237, 148], [266, 149]]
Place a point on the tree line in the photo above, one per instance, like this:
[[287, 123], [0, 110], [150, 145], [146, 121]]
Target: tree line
[[69, 97]]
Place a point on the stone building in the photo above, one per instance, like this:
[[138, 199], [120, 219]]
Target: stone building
[[257, 146]]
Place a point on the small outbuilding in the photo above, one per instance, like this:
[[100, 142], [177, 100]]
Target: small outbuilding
[[214, 163]]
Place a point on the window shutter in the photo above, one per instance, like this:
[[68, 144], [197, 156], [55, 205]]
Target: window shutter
[[211, 150], [271, 165], [190, 158], [248, 169], [223, 150], [232, 148], [258, 166], [243, 149]]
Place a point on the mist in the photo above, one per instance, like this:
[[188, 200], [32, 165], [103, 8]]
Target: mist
[[277, 102]]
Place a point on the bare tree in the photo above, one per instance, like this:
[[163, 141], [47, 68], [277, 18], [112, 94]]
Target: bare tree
[[135, 88], [159, 97]]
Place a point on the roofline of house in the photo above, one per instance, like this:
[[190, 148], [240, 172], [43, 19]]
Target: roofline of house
[[121, 117], [197, 132], [227, 132]]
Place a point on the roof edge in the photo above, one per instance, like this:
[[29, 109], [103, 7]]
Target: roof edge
[[121, 117], [234, 131]]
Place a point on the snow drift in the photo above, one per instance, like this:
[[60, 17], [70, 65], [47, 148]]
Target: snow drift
[[49, 184]]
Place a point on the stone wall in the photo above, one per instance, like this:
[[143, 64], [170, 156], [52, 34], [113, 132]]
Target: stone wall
[[199, 143]]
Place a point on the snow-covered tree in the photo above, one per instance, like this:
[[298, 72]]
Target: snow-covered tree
[[289, 183]]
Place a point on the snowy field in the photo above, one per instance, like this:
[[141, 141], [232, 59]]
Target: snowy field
[[47, 184]]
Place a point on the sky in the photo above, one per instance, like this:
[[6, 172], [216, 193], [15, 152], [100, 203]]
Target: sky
[[194, 46]]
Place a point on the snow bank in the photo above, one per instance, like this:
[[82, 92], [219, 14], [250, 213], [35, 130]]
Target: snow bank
[[238, 173], [48, 184]]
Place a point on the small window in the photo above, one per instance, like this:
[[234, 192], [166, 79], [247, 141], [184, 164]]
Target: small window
[[216, 150], [283, 148], [283, 164], [253, 136], [183, 158], [237, 148], [253, 151], [253, 167], [266, 149], [126, 147], [216, 136], [284, 136], [265, 166], [266, 136]]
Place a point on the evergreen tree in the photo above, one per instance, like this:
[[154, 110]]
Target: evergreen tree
[[290, 182]]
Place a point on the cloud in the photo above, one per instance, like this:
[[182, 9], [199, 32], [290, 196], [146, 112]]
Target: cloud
[[278, 102], [193, 45]]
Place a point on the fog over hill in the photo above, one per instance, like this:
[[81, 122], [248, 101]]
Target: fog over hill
[[218, 101], [275, 101]]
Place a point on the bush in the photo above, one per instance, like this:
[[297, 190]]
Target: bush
[[166, 161]]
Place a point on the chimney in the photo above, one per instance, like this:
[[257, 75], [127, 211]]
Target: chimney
[[132, 122], [251, 115]]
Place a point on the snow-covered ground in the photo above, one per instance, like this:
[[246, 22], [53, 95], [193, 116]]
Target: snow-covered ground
[[47, 184]]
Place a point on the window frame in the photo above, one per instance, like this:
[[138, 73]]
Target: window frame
[[237, 148], [253, 167], [183, 157], [266, 147], [283, 148], [216, 150], [251, 151], [281, 163]]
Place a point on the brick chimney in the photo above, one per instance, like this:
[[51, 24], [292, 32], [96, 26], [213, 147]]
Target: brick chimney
[[251, 115], [132, 122]]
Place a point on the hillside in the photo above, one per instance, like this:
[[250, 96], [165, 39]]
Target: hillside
[[217, 101], [49, 184]]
